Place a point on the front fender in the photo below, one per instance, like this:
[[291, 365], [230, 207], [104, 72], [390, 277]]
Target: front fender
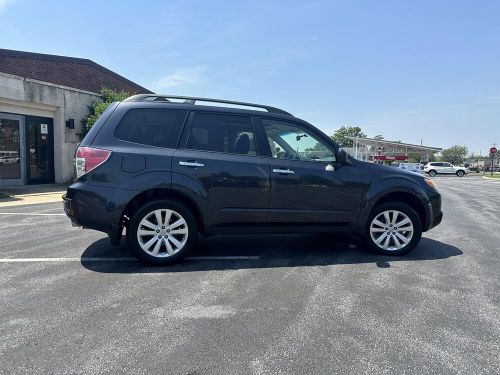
[[390, 185]]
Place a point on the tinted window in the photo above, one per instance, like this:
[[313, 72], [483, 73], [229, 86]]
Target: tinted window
[[97, 125], [290, 141], [152, 126], [222, 133]]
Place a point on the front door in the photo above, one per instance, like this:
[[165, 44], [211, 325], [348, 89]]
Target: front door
[[307, 183], [11, 149], [39, 150], [218, 154]]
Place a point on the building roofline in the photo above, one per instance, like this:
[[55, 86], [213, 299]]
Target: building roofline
[[373, 141], [13, 76], [77, 60]]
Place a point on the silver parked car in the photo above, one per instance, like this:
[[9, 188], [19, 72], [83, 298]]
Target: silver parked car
[[444, 168]]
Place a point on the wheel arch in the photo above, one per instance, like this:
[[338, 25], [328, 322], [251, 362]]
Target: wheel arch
[[151, 195], [404, 197]]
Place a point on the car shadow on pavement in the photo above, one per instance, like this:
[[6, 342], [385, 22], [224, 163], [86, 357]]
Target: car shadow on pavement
[[263, 251]]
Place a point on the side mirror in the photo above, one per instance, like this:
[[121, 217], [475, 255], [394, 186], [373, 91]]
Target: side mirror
[[344, 158]]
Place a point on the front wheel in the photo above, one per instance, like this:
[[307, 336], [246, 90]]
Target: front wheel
[[460, 173], [393, 229], [162, 232], [432, 173]]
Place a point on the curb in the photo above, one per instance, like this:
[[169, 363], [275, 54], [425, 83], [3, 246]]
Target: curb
[[39, 194]]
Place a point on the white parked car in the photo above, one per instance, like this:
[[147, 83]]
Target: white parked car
[[435, 168]]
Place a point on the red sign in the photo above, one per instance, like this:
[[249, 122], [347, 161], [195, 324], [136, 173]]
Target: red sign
[[385, 157], [493, 150]]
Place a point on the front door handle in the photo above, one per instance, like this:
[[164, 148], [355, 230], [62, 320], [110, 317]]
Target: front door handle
[[283, 171], [192, 164]]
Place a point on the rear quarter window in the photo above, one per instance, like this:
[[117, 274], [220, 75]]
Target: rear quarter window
[[87, 140], [159, 127]]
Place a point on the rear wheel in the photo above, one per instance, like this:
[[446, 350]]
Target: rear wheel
[[393, 228], [432, 173], [162, 232], [460, 173]]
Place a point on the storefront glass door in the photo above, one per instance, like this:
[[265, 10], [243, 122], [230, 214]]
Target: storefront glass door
[[39, 150], [11, 149]]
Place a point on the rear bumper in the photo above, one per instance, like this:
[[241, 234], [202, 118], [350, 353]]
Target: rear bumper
[[97, 208]]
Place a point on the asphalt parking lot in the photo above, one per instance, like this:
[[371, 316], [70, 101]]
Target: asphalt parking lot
[[254, 304]]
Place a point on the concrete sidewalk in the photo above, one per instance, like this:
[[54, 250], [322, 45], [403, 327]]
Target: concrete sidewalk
[[31, 194]]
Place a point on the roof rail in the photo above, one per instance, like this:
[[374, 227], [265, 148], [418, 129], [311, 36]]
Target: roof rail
[[193, 100]]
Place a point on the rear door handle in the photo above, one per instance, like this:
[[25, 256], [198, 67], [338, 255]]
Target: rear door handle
[[192, 164], [283, 171]]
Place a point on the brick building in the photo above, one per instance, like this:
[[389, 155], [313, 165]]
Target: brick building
[[42, 100]]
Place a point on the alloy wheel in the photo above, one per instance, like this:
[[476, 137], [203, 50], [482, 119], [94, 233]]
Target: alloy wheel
[[162, 233], [391, 230]]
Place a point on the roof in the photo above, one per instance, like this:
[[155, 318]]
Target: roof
[[394, 146], [82, 74]]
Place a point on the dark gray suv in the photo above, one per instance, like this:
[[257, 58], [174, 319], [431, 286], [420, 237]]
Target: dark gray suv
[[167, 168]]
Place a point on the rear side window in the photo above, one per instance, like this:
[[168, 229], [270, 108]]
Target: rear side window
[[152, 126], [231, 134], [97, 125]]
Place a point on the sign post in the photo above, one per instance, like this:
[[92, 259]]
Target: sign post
[[493, 151]]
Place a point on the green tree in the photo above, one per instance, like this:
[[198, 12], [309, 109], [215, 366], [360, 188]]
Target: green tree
[[347, 131], [96, 109], [455, 154], [379, 137]]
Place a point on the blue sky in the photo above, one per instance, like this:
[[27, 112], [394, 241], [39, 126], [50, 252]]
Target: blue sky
[[408, 70]]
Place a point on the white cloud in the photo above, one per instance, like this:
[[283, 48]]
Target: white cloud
[[4, 4], [179, 78]]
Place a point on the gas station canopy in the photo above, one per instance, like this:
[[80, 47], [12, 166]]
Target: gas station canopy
[[381, 149]]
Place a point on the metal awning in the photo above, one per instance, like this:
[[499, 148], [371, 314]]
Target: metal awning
[[393, 147]]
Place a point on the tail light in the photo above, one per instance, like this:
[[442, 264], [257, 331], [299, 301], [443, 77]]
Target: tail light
[[89, 158]]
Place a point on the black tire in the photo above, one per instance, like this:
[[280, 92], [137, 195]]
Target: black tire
[[460, 173], [432, 173], [406, 210], [144, 211]]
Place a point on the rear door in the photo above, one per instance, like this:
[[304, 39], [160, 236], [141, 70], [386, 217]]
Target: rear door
[[308, 186], [438, 167], [218, 157]]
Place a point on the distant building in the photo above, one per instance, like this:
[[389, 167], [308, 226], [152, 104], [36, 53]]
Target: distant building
[[42, 100]]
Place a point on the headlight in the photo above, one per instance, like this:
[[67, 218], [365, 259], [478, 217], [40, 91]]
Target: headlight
[[431, 183]]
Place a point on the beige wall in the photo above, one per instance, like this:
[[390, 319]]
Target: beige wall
[[30, 97]]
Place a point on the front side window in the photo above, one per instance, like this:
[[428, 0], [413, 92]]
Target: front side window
[[289, 141], [152, 126], [231, 134]]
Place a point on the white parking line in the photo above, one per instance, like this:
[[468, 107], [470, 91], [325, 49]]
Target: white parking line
[[29, 214], [121, 259]]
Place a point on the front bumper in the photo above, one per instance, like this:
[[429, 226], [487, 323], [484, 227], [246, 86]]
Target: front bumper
[[435, 215]]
